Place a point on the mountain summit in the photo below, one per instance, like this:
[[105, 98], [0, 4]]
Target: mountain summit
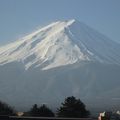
[[61, 43], [65, 58]]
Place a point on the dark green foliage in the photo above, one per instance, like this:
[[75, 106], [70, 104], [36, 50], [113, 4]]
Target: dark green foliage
[[45, 111], [73, 107], [42, 111], [34, 111], [6, 109]]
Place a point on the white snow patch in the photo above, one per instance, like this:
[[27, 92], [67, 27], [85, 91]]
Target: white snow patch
[[61, 43]]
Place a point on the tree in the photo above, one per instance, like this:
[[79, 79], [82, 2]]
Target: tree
[[45, 111], [42, 111], [73, 107], [34, 111], [5, 109]]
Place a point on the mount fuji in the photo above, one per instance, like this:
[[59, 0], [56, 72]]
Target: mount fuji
[[62, 59]]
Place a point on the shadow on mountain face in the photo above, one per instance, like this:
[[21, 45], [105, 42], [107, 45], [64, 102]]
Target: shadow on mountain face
[[94, 83]]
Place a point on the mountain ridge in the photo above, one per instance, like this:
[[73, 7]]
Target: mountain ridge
[[65, 58]]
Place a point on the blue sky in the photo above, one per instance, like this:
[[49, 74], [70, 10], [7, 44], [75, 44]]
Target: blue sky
[[20, 17]]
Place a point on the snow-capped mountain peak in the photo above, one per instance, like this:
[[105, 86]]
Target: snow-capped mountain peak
[[61, 43], [62, 59]]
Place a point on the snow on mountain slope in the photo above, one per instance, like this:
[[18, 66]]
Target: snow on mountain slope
[[61, 43]]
